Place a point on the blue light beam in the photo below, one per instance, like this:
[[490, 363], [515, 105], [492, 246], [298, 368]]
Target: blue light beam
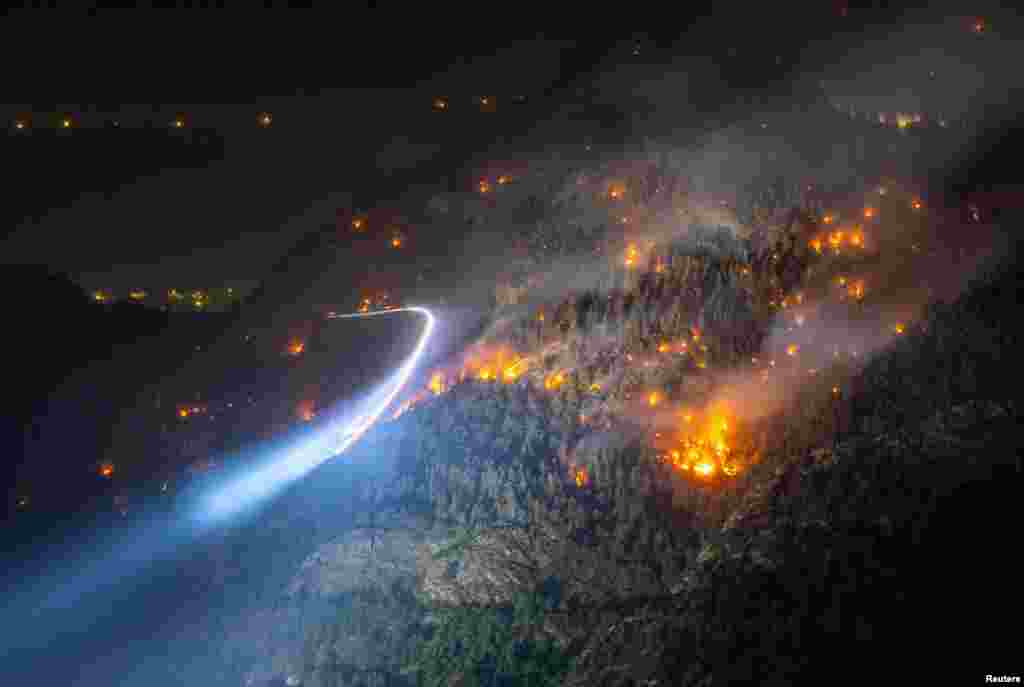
[[333, 440]]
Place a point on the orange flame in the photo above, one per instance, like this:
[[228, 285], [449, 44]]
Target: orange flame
[[580, 477], [107, 470], [436, 383]]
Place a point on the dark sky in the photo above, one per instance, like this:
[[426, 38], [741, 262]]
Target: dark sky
[[221, 200]]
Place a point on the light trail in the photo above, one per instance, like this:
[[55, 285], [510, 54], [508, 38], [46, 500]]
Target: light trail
[[107, 562], [279, 471]]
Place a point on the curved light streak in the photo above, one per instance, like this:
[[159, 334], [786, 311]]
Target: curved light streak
[[111, 557], [296, 462]]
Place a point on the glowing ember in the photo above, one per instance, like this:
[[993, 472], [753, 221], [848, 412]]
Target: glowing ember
[[856, 290], [580, 477], [483, 186], [631, 255], [898, 328], [815, 245], [358, 224], [857, 239], [827, 219], [296, 347], [554, 381], [305, 411], [915, 204], [396, 242], [107, 470], [869, 213], [182, 412]]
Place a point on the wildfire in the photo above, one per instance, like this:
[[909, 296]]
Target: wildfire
[[704, 447], [107, 470]]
